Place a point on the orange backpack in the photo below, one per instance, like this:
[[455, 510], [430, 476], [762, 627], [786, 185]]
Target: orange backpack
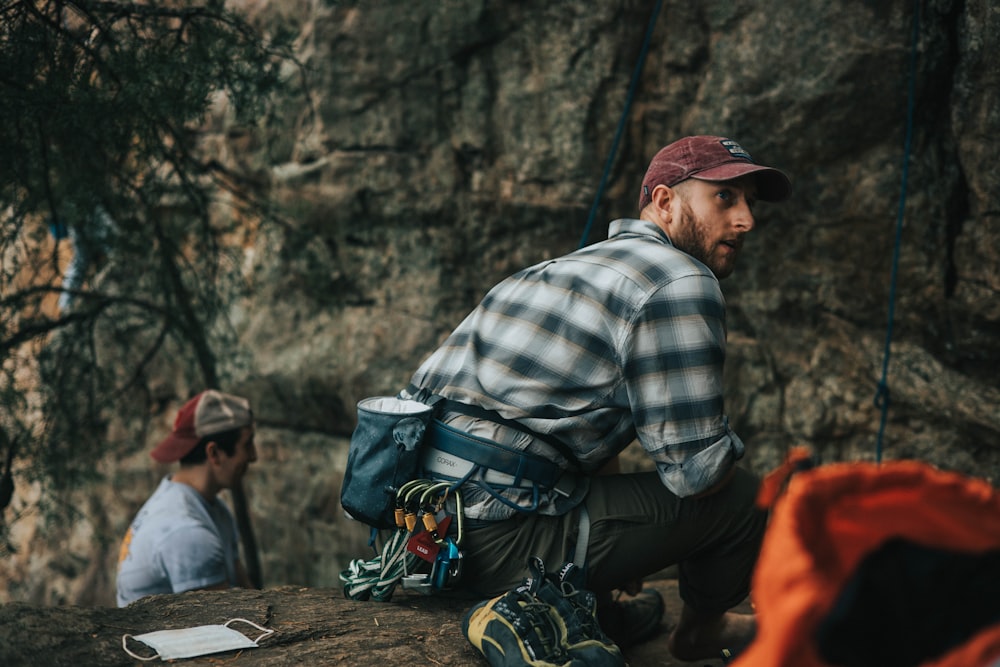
[[867, 565]]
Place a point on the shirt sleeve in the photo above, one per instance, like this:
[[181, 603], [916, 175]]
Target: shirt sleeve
[[674, 356], [193, 557]]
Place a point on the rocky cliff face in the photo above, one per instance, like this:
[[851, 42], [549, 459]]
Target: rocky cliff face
[[447, 144]]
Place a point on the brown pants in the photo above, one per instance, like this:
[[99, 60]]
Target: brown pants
[[637, 527]]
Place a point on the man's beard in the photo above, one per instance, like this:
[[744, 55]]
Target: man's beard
[[692, 237]]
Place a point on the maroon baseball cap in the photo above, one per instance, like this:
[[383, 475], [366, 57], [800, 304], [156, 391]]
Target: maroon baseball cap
[[709, 158], [208, 413]]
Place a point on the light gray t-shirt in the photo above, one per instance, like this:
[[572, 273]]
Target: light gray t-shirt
[[177, 542]]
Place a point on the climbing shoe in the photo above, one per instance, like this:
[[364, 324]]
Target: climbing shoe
[[516, 629], [632, 621], [576, 609], [549, 620]]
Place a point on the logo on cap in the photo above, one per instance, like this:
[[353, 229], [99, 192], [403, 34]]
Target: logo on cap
[[735, 149]]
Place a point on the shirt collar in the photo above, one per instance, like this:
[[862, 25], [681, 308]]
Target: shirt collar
[[624, 226]]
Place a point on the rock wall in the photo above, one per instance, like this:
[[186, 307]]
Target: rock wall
[[444, 145]]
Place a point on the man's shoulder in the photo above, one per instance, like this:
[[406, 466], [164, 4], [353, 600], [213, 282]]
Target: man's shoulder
[[650, 262], [174, 504], [168, 531], [170, 522]]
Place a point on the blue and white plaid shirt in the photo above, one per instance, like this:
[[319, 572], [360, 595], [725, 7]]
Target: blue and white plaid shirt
[[621, 339]]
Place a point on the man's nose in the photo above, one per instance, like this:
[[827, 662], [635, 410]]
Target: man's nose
[[744, 220]]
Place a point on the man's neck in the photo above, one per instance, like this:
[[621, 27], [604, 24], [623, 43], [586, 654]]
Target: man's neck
[[198, 478]]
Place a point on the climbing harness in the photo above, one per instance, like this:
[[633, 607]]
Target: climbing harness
[[460, 458], [882, 392], [420, 553], [398, 445]]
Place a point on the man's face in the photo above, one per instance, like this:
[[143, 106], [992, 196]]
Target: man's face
[[233, 468], [713, 218]]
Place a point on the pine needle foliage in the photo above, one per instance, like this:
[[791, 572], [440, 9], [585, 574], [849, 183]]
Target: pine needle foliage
[[105, 157]]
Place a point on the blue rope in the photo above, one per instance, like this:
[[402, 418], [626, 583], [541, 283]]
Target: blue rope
[[621, 123], [882, 392]]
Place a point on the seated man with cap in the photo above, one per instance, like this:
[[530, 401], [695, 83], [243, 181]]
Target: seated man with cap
[[184, 538], [568, 362]]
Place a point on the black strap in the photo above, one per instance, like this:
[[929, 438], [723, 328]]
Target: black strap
[[519, 465], [442, 404]]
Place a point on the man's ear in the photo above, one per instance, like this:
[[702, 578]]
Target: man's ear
[[212, 451], [662, 196], [659, 209]]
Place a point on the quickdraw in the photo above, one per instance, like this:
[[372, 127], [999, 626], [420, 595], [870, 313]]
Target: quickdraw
[[420, 540]]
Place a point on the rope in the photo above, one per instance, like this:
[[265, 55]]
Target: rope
[[621, 123], [882, 392], [376, 579]]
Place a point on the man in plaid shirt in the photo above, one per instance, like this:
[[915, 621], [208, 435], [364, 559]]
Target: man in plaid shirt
[[620, 341]]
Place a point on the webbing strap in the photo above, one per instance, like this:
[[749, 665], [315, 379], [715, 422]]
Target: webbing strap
[[582, 538], [519, 465], [442, 404]]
